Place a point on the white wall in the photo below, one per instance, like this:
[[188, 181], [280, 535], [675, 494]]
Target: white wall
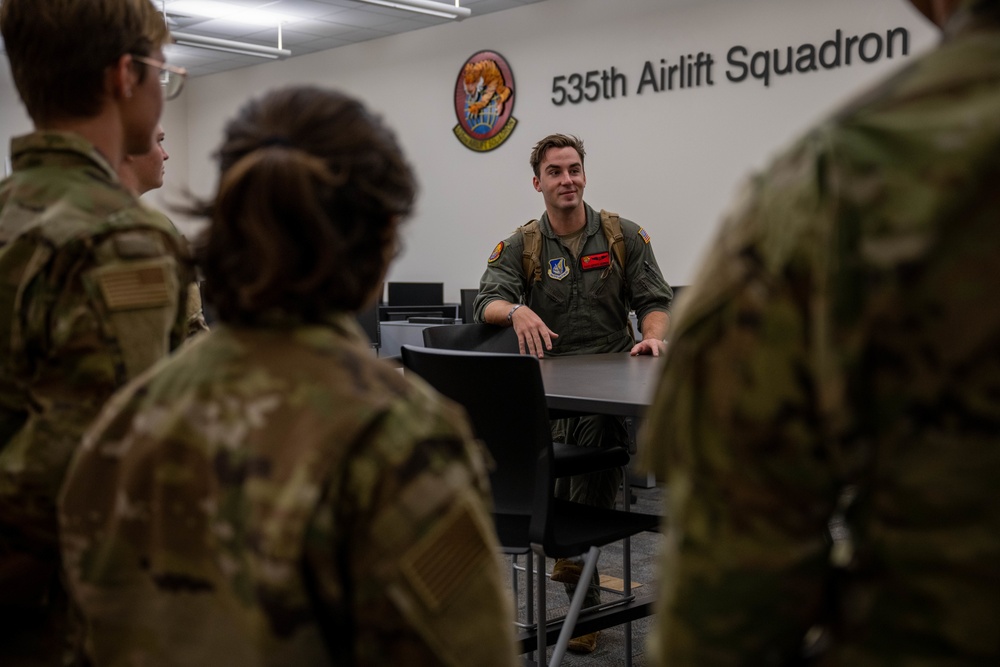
[[670, 160], [13, 118]]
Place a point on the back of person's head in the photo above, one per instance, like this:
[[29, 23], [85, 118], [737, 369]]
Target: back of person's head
[[554, 141], [59, 49], [311, 189]]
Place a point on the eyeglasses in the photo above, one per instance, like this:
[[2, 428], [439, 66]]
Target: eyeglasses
[[171, 77]]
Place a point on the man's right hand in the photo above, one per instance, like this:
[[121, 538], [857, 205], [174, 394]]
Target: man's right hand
[[533, 336]]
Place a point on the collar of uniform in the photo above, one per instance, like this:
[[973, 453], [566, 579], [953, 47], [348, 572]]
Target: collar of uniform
[[71, 147], [593, 222], [338, 325]]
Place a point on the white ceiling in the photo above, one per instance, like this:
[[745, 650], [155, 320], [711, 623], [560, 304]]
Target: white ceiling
[[319, 25]]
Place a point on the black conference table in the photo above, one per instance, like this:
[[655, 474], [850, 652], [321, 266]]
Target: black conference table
[[614, 383]]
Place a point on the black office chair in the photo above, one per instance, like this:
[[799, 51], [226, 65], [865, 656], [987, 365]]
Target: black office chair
[[568, 460], [471, 337], [505, 400]]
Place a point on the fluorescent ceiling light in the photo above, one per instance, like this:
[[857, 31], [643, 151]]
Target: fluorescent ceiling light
[[426, 7], [221, 10], [229, 46]]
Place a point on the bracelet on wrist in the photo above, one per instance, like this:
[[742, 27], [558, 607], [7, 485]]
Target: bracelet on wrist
[[510, 315]]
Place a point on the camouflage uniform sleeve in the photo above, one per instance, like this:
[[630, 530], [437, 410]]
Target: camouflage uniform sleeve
[[734, 431], [422, 555], [504, 275], [196, 323]]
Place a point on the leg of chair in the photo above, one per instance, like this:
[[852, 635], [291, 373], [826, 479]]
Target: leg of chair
[[628, 644], [569, 623], [540, 624], [627, 568], [529, 584], [514, 586]]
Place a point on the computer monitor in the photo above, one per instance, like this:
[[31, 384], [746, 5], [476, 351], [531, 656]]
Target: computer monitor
[[468, 298], [416, 294]]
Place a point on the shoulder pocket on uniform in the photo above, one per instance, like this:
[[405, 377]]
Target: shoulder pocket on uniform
[[140, 300], [143, 284]]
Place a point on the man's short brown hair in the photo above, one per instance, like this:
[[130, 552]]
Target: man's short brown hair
[[554, 141], [59, 49], [311, 190]]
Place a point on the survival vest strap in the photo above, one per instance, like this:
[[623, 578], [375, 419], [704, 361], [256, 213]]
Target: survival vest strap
[[531, 262]]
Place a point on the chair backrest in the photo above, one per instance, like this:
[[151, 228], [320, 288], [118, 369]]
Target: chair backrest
[[472, 338], [468, 300], [505, 401]]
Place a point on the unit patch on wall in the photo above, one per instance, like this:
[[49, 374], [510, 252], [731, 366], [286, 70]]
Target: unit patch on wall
[[484, 101]]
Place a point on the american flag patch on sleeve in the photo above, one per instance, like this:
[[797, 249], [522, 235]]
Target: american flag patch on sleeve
[[644, 235]]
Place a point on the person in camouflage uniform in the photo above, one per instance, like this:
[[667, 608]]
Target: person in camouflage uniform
[[273, 494], [579, 305], [828, 422], [92, 283], [142, 173]]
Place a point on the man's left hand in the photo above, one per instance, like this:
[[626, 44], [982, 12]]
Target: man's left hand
[[653, 346]]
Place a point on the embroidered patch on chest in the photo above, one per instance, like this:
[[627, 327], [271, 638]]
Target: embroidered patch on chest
[[596, 261], [495, 255], [558, 269]]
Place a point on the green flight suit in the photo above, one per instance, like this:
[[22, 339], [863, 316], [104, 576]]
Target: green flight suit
[[589, 310]]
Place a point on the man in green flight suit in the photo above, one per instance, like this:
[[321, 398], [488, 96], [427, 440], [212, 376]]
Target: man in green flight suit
[[92, 285], [576, 301], [828, 423]]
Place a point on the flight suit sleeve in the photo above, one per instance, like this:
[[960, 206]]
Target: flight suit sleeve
[[649, 290], [504, 275], [423, 560], [735, 432]]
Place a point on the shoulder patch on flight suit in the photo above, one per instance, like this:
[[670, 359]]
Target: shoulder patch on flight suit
[[644, 235], [438, 565], [495, 255], [134, 285]]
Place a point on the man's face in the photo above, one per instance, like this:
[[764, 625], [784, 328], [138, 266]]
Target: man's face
[[561, 179], [143, 114], [148, 167]]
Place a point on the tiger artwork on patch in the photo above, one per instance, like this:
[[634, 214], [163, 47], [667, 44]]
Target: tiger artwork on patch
[[483, 79]]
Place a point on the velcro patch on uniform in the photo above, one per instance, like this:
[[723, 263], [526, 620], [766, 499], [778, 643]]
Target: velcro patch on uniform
[[134, 287], [644, 235], [439, 565], [495, 255], [597, 261], [138, 244]]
